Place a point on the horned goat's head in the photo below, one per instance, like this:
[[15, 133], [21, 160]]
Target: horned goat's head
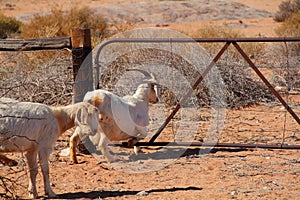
[[151, 81]]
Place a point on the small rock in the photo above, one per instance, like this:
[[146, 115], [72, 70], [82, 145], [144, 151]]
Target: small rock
[[267, 188], [274, 183], [233, 193], [142, 193], [65, 152], [140, 162]]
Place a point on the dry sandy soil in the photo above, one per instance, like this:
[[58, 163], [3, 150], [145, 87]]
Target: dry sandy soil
[[178, 173]]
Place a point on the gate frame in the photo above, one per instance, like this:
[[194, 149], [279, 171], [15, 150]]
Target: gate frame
[[228, 42]]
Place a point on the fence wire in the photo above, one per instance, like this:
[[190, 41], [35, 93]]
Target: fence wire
[[37, 76], [255, 115]]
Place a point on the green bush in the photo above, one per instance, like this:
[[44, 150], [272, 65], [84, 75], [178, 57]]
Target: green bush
[[8, 25], [286, 9]]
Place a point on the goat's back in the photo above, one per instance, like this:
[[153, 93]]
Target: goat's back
[[25, 125]]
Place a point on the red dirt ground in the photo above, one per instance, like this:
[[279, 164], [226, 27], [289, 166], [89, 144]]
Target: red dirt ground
[[165, 173]]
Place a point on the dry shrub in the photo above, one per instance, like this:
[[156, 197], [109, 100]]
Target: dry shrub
[[241, 89], [46, 76], [286, 9], [288, 74], [291, 27], [59, 23], [10, 188], [8, 25], [48, 82], [252, 49]]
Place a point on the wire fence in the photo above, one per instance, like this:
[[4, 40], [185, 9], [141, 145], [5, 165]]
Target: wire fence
[[44, 77], [254, 115]]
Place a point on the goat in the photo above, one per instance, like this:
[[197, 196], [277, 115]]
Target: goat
[[33, 128], [123, 118]]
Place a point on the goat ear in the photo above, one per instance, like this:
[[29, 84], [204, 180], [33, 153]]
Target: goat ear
[[81, 116]]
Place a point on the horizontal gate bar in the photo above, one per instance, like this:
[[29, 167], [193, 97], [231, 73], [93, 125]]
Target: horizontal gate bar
[[184, 40], [203, 144]]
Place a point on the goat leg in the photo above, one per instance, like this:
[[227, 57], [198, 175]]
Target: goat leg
[[43, 157], [74, 141], [31, 157], [103, 148], [132, 142]]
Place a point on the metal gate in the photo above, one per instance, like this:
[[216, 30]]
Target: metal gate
[[228, 42]]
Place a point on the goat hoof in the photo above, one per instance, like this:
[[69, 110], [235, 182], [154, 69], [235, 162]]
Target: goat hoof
[[72, 162], [131, 143], [137, 152], [33, 195]]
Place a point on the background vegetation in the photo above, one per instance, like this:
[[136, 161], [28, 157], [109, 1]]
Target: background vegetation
[[286, 9], [8, 26], [59, 23], [52, 79]]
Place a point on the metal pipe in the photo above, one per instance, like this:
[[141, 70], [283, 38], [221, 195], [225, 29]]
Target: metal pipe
[[185, 40], [203, 144]]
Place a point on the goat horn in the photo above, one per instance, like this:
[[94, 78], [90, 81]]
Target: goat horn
[[140, 70]]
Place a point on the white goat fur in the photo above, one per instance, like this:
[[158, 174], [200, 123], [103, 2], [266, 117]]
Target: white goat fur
[[123, 118], [33, 128]]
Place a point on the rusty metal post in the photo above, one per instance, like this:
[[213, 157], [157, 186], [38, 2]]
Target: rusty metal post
[[187, 95], [82, 63]]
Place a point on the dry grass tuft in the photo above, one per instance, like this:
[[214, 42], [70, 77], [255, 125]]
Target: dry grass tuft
[[286, 9], [59, 23], [8, 25], [252, 49]]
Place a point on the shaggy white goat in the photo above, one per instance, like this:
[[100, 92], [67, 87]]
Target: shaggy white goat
[[123, 118], [33, 128]]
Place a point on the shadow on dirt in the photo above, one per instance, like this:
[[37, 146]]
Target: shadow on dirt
[[174, 153], [105, 194]]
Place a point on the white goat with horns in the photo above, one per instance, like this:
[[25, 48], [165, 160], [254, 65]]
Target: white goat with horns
[[123, 118], [33, 128]]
